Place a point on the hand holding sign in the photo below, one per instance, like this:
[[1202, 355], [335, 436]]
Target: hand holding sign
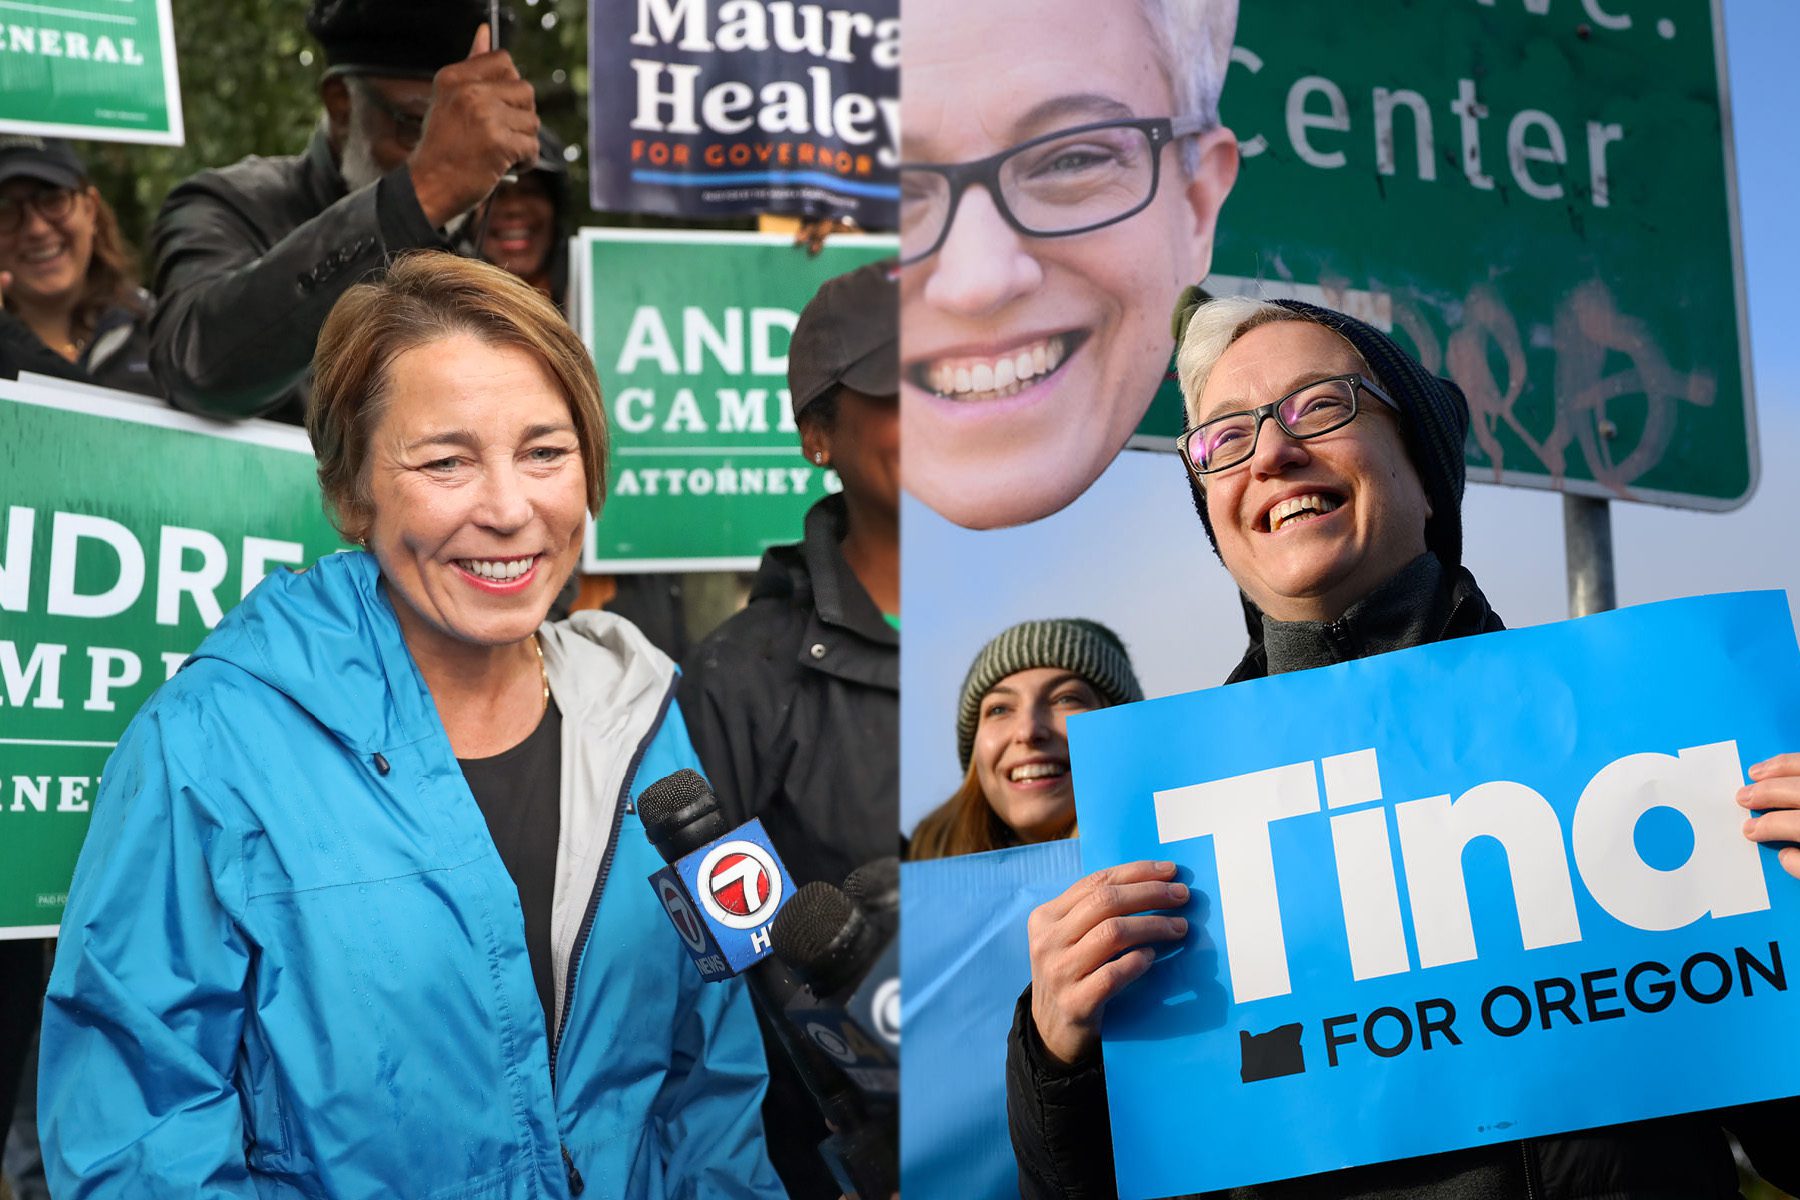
[[1091, 941], [1774, 791], [482, 120]]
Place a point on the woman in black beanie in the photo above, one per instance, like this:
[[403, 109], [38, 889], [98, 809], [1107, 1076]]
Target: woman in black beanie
[[1012, 739], [1327, 468]]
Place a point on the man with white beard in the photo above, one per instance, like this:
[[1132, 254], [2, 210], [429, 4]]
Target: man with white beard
[[421, 121]]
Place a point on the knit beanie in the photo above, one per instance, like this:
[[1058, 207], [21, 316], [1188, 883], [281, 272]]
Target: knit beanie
[[1434, 419], [1085, 648]]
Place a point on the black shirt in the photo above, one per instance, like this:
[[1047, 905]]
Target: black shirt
[[519, 791]]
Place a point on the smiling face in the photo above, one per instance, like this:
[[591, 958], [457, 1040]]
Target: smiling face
[[476, 493], [1021, 754], [1307, 528], [48, 258], [1027, 362], [521, 228]]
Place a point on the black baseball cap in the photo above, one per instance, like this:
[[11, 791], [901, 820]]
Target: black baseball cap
[[50, 159], [849, 335], [399, 38]]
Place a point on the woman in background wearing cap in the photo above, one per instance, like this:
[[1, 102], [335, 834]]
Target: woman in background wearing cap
[[1327, 469], [67, 278], [1012, 735], [794, 703]]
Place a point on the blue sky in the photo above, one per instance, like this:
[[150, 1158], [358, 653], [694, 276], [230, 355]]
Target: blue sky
[[1159, 585]]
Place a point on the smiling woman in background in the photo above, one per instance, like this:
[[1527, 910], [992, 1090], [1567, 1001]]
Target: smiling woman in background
[[67, 278], [362, 910], [1055, 199], [1012, 735]]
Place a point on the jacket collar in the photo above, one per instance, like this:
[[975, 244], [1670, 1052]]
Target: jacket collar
[[327, 639], [845, 633], [1456, 608]]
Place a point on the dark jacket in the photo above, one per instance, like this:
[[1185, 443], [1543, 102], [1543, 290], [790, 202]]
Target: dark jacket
[[249, 260], [1062, 1132], [116, 356], [794, 707]]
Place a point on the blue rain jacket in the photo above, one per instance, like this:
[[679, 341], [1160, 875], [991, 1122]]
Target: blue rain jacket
[[293, 964]]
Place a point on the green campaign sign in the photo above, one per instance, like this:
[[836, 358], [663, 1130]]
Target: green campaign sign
[[102, 69], [689, 332], [1535, 196], [126, 530]]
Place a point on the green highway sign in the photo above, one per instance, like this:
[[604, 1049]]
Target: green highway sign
[[1537, 197], [101, 69], [689, 332], [126, 530]]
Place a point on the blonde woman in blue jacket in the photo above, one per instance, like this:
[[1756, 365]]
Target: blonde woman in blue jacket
[[363, 910]]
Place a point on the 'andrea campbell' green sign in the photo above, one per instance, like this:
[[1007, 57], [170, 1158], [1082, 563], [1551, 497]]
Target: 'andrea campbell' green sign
[[126, 530], [689, 332], [102, 69], [1537, 197]]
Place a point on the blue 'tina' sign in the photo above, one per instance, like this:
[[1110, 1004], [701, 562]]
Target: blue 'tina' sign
[[1466, 893]]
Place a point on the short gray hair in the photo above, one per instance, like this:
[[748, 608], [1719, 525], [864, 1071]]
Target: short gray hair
[[1193, 46], [1214, 326]]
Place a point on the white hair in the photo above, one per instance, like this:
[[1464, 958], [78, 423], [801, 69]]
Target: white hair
[[1193, 46], [1215, 325]]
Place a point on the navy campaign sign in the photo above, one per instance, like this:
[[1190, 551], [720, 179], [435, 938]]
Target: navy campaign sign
[[1466, 893], [716, 108]]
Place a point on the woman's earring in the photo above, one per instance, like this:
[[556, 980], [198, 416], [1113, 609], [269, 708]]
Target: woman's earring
[[819, 457]]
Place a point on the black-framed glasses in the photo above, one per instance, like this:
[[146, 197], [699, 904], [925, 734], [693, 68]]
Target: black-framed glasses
[[1308, 411], [1072, 181], [51, 203]]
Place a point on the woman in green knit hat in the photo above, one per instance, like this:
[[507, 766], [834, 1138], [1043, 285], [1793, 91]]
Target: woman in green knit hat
[[1012, 735]]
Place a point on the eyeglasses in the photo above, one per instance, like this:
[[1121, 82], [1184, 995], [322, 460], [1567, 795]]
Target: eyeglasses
[[1306, 412], [1063, 183], [409, 127], [52, 204]]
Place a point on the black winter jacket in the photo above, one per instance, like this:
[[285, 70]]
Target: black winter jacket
[[1062, 1132], [116, 356], [794, 708], [249, 260]]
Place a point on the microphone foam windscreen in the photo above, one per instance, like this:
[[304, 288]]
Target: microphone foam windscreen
[[875, 886], [673, 801], [809, 928]]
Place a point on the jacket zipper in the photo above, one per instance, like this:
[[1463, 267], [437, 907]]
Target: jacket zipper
[[1530, 1175], [576, 1186]]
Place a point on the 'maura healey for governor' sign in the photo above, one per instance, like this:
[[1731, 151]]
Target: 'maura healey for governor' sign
[[714, 108], [126, 531], [101, 69], [1465, 893]]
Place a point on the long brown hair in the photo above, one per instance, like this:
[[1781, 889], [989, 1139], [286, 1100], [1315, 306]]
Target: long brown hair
[[967, 824], [112, 274]]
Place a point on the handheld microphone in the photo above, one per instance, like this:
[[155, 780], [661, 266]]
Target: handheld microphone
[[722, 869], [722, 887], [850, 965]]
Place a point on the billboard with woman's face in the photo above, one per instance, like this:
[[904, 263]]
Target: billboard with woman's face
[[1056, 198]]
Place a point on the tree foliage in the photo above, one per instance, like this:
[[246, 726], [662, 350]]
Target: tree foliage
[[249, 85]]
